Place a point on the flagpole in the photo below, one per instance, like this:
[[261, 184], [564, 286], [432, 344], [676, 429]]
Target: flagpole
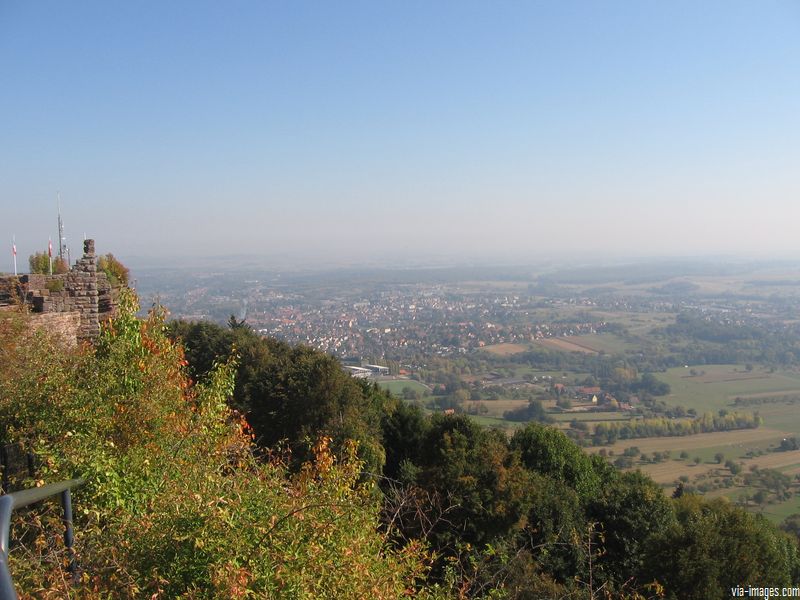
[[50, 253], [14, 251]]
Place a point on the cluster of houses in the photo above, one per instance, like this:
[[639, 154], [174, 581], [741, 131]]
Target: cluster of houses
[[591, 398]]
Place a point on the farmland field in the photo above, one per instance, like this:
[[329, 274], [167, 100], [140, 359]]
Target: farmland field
[[590, 344], [591, 417], [506, 349], [395, 386], [668, 471], [638, 324], [714, 387], [496, 422], [566, 344], [726, 440], [495, 408]]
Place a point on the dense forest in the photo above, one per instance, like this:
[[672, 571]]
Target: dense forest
[[220, 464]]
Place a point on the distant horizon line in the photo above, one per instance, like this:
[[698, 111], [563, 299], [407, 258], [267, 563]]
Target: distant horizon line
[[311, 260]]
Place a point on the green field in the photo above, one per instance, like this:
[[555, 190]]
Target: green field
[[638, 324], [711, 388], [493, 408], [395, 386], [590, 417], [607, 343], [715, 387], [496, 422], [778, 511]]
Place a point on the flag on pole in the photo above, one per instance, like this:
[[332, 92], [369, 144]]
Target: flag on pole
[[14, 252], [49, 247]]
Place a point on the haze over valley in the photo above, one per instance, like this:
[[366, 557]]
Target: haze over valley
[[451, 300]]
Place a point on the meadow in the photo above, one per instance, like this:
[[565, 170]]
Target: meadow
[[714, 388], [397, 385], [597, 343]]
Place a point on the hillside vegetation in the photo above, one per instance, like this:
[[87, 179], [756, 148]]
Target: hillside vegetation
[[176, 505], [249, 468]]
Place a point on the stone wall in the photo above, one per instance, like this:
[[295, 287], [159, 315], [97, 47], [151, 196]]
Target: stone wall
[[65, 326], [81, 291]]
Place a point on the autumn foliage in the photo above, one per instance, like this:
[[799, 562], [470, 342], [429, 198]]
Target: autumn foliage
[[176, 505]]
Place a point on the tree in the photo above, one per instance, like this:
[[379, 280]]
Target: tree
[[791, 525], [714, 546], [630, 511], [234, 323], [40, 263], [734, 467], [290, 393], [564, 402], [534, 411], [485, 487], [404, 428], [116, 272], [548, 451], [554, 519]]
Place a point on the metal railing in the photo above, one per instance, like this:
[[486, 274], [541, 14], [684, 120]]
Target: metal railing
[[15, 500]]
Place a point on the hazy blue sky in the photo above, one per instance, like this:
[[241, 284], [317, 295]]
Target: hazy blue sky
[[510, 129]]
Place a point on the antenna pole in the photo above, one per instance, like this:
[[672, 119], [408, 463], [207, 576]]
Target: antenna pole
[[63, 249], [60, 229]]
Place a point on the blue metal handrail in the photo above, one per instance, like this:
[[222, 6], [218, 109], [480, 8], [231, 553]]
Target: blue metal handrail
[[10, 502]]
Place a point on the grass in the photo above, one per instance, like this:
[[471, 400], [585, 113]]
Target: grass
[[607, 343], [566, 344], [667, 472], [495, 422], [396, 386], [638, 324], [781, 416], [496, 408], [779, 511], [727, 442], [593, 417], [721, 384], [773, 511]]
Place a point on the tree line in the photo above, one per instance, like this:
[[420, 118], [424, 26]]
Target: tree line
[[531, 516], [608, 433]]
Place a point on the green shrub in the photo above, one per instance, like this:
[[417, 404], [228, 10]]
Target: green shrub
[[40, 263], [55, 285], [176, 504], [116, 272]]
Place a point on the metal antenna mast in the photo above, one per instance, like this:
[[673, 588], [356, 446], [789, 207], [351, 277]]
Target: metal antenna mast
[[62, 240]]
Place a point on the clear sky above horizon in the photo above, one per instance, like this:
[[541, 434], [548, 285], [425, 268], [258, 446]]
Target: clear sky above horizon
[[345, 130]]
